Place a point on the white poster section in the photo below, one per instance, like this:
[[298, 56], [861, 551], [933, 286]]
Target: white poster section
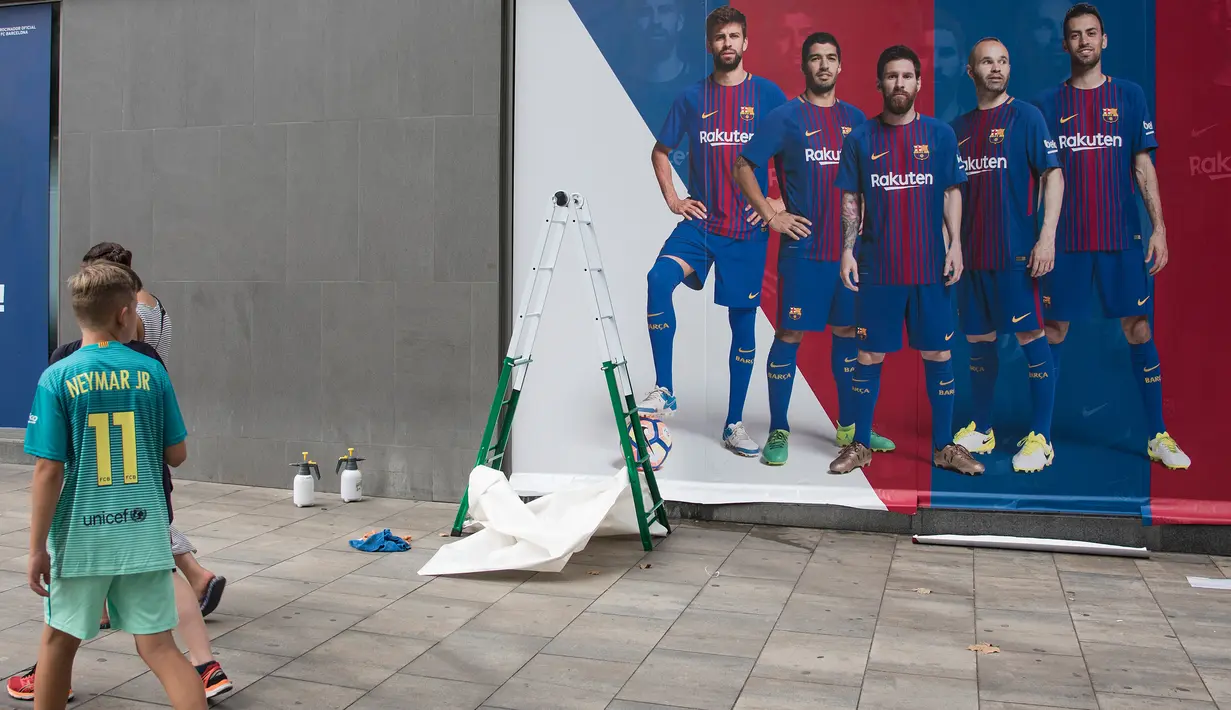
[[575, 129]]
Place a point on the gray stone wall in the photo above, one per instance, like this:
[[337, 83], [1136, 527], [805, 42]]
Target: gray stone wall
[[311, 188]]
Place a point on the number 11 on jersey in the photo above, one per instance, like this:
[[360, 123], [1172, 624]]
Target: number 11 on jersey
[[101, 424]]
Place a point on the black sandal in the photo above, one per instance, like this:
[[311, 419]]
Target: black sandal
[[213, 595]]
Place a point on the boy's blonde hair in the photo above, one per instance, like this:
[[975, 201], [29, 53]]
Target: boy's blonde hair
[[100, 290]]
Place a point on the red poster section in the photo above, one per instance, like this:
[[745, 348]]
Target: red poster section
[[776, 31], [1193, 121]]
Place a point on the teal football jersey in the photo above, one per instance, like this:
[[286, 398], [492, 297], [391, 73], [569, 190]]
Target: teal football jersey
[[107, 412]]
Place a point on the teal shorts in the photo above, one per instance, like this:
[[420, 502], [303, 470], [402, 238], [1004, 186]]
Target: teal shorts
[[137, 603]]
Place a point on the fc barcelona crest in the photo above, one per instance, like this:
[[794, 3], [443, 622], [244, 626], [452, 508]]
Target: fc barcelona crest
[[997, 136], [861, 333], [747, 113], [1111, 115], [796, 313], [846, 130], [922, 152]]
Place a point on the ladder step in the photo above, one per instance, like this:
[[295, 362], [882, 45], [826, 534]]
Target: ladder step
[[524, 361]]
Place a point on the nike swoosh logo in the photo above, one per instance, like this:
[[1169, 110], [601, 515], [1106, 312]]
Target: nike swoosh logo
[[1203, 130], [1041, 364], [652, 315], [1142, 302], [1019, 319], [963, 140], [949, 336], [945, 384], [809, 134], [879, 156], [1151, 369], [1085, 412], [1068, 118], [747, 351], [782, 365], [707, 115], [754, 295], [851, 359]]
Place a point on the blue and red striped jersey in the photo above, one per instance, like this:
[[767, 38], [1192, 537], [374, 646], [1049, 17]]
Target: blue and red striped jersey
[[718, 120], [806, 141], [1004, 150], [1099, 132], [902, 173]]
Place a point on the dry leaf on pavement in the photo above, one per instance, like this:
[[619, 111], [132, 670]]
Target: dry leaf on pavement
[[984, 648]]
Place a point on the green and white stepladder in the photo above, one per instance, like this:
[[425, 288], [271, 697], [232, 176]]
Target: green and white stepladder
[[565, 209]]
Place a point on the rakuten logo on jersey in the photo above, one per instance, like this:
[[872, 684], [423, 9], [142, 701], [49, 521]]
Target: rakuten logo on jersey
[[725, 137], [901, 181], [1214, 167], [1098, 141], [986, 164], [824, 156]]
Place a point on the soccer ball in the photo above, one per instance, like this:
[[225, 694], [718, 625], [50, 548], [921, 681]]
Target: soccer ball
[[657, 437]]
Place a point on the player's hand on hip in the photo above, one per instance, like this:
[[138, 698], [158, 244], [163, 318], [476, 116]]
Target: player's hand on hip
[[1157, 251], [688, 209], [39, 572], [1042, 258], [849, 269], [791, 225], [953, 265]]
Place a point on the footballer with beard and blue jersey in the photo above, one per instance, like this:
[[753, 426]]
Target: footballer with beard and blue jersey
[[1105, 134], [804, 139], [1008, 154], [907, 169], [718, 115]]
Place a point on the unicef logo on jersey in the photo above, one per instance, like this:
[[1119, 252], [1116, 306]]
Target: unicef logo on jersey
[[717, 138], [976, 166], [1081, 141], [824, 156], [901, 181], [128, 515]]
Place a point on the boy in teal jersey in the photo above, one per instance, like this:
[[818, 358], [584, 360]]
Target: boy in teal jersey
[[103, 421]]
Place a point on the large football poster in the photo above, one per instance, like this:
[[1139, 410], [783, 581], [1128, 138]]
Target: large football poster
[[594, 81]]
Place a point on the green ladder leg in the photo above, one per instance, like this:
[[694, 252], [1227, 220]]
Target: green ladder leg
[[627, 419], [495, 433]]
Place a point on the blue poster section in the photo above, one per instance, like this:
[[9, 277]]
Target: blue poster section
[[25, 179], [1099, 430]]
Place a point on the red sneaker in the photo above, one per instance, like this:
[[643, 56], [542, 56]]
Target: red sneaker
[[21, 686], [215, 681]]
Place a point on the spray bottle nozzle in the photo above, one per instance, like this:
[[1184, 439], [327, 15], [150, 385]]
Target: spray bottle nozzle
[[307, 467], [350, 460]]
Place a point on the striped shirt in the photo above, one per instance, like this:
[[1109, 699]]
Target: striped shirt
[[1004, 149], [107, 413], [158, 331], [1099, 132], [718, 120], [806, 140], [902, 173]]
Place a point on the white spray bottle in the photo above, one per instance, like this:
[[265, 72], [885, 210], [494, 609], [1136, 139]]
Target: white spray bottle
[[305, 489], [352, 478]]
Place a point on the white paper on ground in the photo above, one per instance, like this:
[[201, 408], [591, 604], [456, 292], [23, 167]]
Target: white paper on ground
[[539, 536], [1209, 583], [1033, 543]]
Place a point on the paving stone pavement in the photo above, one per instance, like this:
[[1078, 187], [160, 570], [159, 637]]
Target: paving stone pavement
[[718, 616]]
